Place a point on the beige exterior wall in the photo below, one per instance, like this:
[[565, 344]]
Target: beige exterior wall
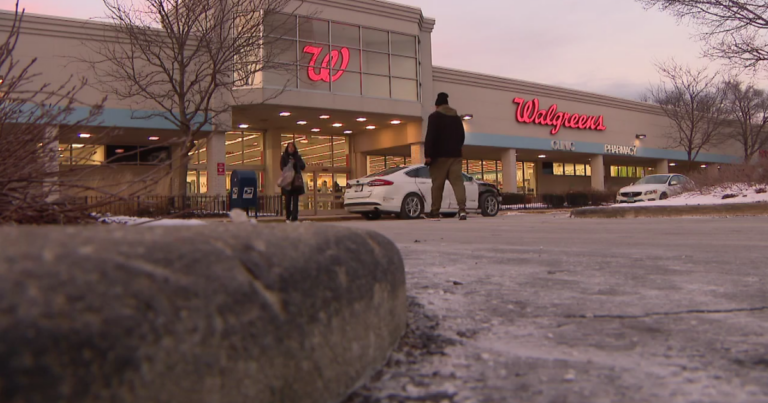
[[490, 100], [60, 45]]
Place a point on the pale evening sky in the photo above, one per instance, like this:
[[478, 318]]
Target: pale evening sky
[[603, 46]]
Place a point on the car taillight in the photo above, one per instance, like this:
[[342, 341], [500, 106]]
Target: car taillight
[[380, 182]]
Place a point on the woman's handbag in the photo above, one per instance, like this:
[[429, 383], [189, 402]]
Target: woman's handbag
[[298, 181], [286, 178]]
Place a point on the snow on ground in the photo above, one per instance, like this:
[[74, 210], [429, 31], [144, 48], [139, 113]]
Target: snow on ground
[[743, 194], [165, 222]]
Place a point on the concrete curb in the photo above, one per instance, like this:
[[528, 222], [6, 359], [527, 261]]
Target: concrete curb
[[217, 313], [715, 210]]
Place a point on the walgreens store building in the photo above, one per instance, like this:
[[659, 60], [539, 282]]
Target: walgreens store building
[[360, 86]]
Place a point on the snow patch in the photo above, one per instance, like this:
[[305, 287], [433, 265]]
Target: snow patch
[[731, 194], [165, 222]]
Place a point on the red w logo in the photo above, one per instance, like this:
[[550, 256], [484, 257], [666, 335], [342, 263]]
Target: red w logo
[[329, 62]]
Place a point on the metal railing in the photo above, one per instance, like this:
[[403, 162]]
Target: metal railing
[[524, 202], [185, 206], [555, 201]]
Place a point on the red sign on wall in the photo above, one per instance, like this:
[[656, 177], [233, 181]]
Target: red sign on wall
[[322, 72], [529, 112], [221, 169]]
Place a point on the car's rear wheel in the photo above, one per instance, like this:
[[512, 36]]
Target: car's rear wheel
[[372, 216], [664, 196], [489, 205], [412, 207]]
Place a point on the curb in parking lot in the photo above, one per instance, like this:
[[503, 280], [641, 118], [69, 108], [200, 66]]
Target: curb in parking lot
[[214, 313], [713, 210]]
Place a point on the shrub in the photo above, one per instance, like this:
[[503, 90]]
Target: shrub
[[554, 200], [512, 199], [601, 197], [731, 176], [577, 198]]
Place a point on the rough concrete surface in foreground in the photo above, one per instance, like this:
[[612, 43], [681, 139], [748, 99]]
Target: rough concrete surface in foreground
[[550, 309], [207, 314]]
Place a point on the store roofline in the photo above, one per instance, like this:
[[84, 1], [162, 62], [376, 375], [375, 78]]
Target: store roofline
[[489, 81]]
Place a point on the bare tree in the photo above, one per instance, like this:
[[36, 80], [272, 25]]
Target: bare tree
[[184, 58], [694, 102], [32, 116], [732, 30], [747, 108]]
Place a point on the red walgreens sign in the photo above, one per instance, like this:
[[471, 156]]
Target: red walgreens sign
[[529, 112], [322, 72]]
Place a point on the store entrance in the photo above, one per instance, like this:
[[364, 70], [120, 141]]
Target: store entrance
[[325, 191]]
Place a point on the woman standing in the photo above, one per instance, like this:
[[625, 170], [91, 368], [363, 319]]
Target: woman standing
[[291, 157]]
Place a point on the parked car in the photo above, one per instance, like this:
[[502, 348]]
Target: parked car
[[652, 188], [406, 192]]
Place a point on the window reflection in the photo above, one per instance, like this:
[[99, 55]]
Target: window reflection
[[320, 151]]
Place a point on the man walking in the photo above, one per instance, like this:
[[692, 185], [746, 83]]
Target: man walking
[[442, 152]]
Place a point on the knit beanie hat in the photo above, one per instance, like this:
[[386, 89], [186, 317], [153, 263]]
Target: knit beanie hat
[[442, 99]]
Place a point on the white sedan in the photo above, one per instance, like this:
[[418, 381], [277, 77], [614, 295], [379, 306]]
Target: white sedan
[[652, 188], [407, 191]]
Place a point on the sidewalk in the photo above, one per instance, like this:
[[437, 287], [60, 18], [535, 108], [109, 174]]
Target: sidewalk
[[272, 220]]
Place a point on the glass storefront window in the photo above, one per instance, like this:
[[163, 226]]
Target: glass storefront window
[[581, 170], [475, 169], [306, 83], [530, 177], [589, 170], [244, 148], [281, 50], [313, 30], [375, 164], [354, 59], [199, 154], [378, 163], [253, 150], [233, 147], [197, 182], [81, 154], [280, 25], [404, 67], [375, 86], [403, 45], [375, 63], [375, 40], [570, 170], [390, 70], [345, 35], [317, 152], [625, 172], [490, 174], [566, 169], [340, 152], [349, 83], [405, 89]]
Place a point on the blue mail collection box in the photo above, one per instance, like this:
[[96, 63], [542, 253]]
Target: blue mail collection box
[[243, 192]]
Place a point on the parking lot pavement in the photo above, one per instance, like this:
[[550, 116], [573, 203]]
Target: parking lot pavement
[[545, 308]]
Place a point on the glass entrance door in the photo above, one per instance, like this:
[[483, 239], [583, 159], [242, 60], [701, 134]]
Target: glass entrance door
[[325, 192]]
